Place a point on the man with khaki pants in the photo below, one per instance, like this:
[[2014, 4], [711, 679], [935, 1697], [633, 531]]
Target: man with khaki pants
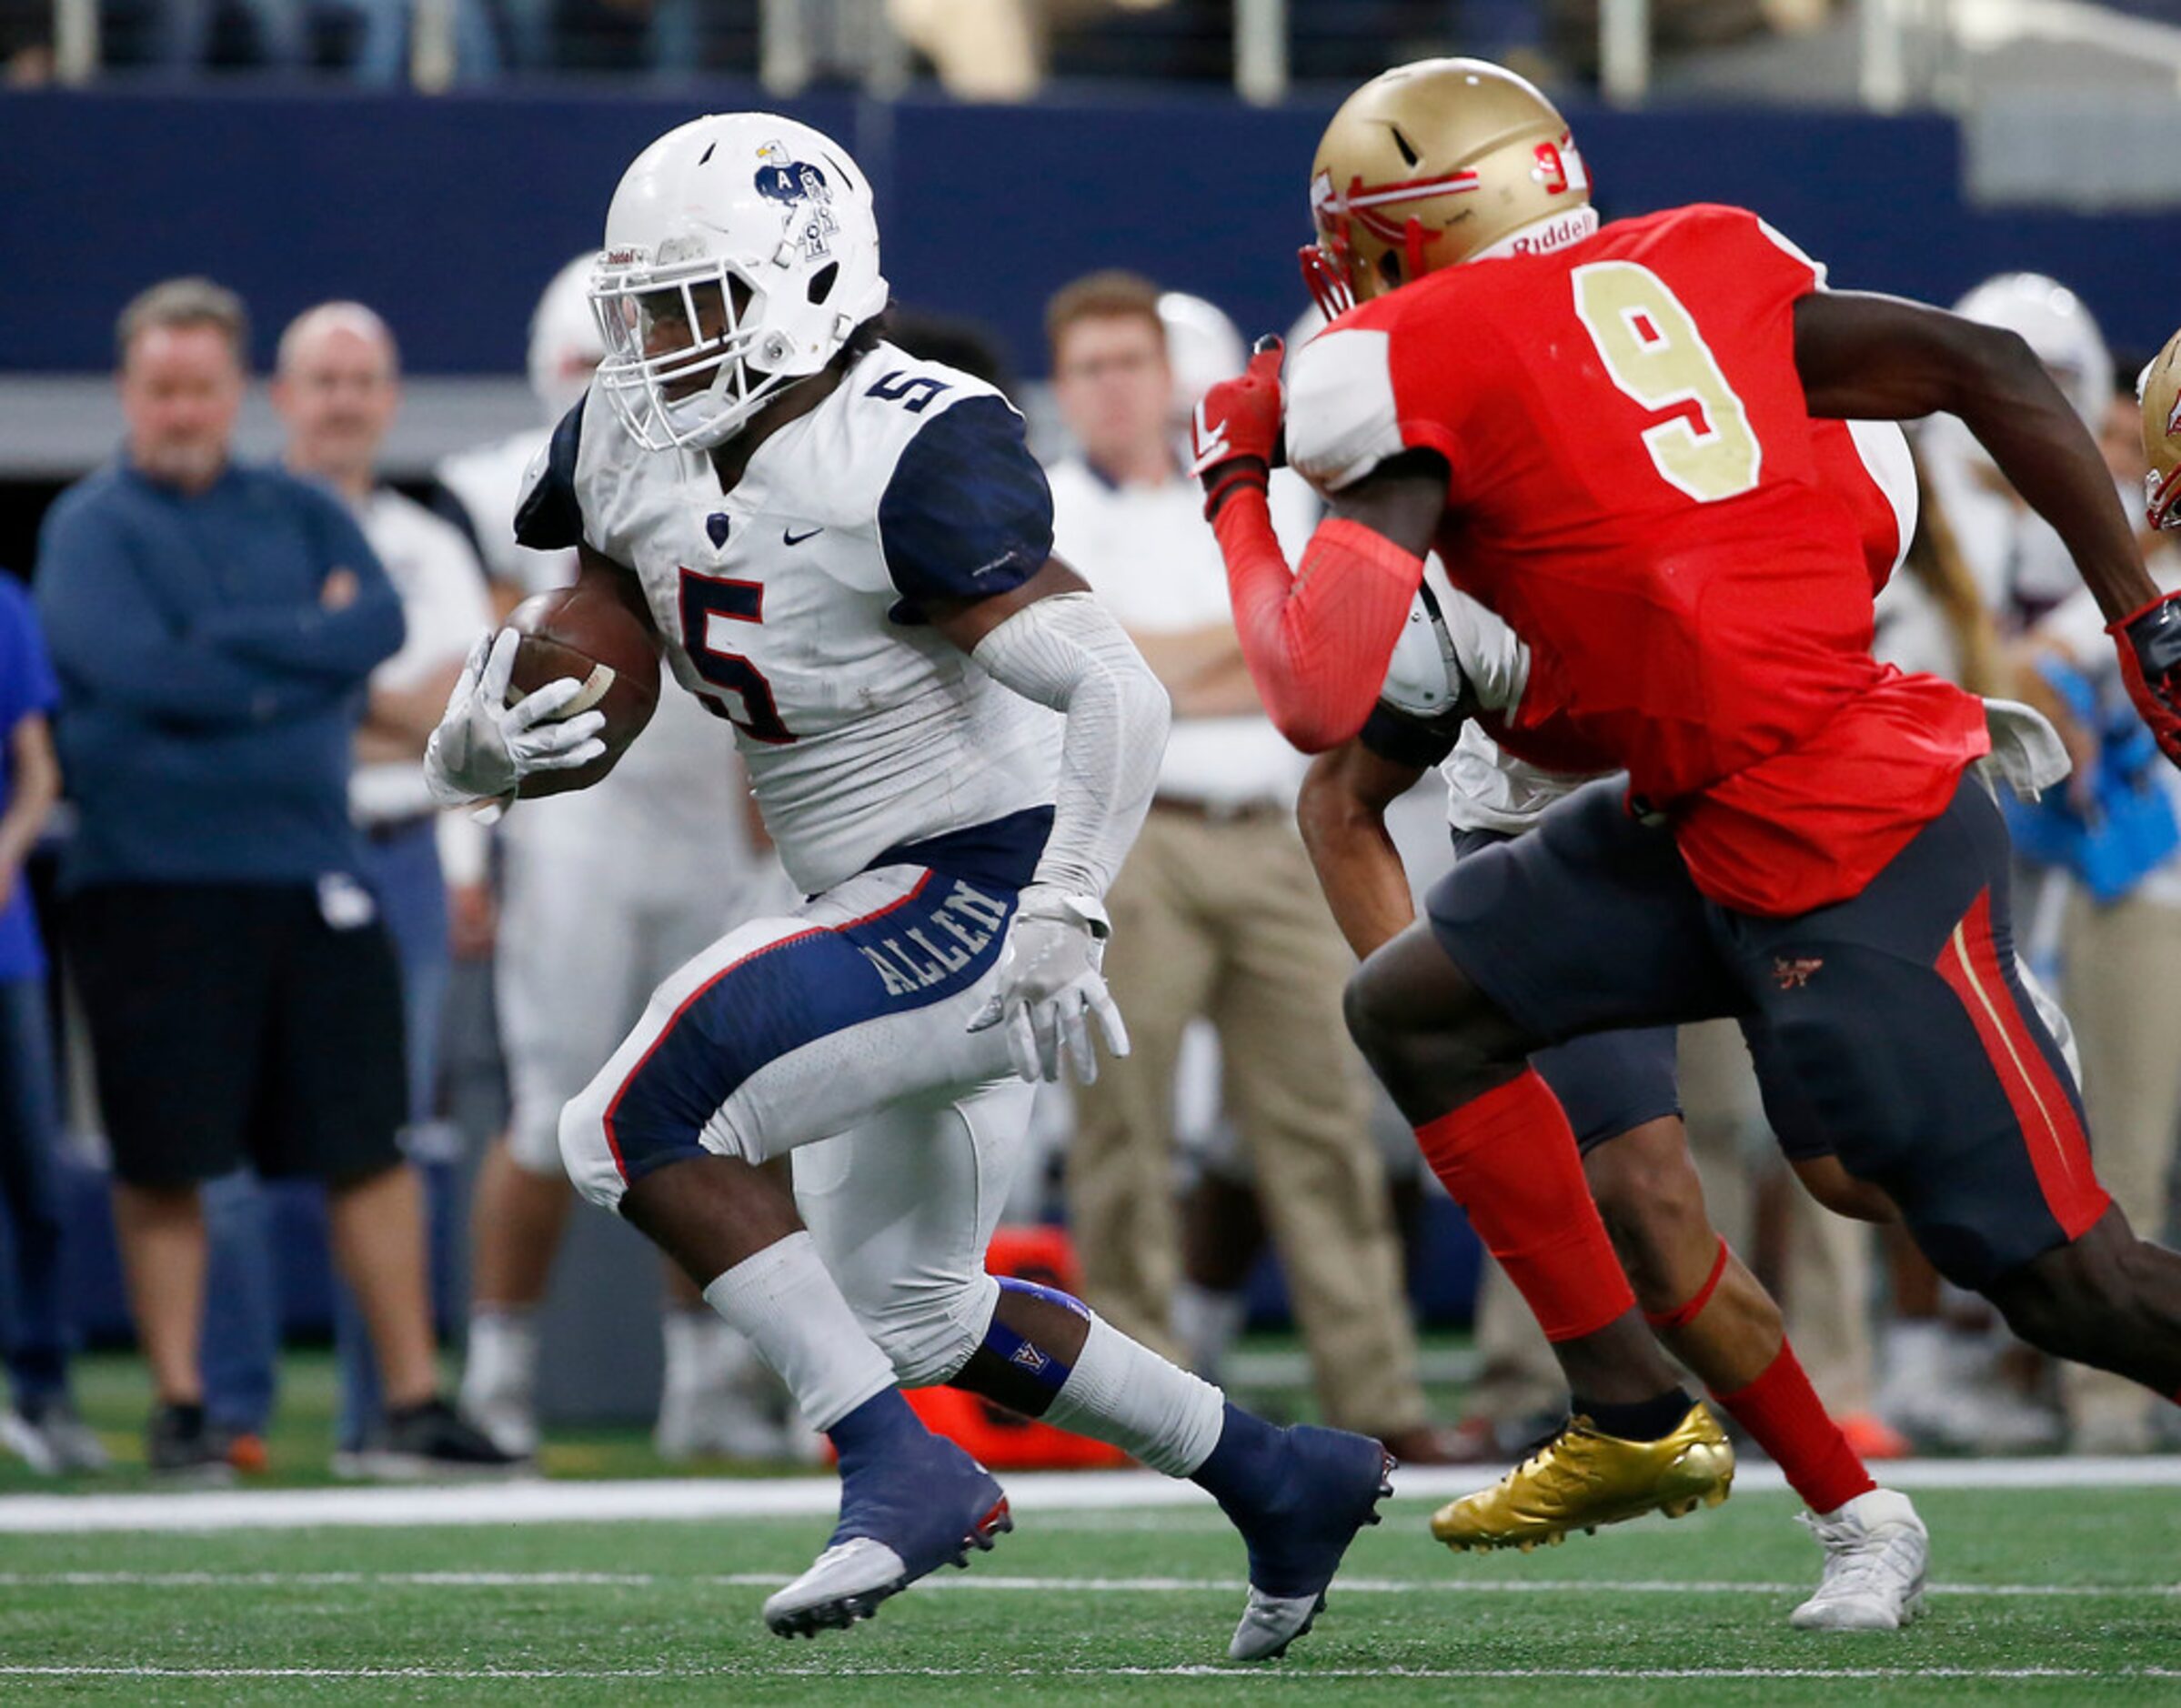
[[1216, 914]]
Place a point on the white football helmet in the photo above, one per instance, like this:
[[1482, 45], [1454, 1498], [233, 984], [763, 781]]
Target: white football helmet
[[2053, 321], [1203, 348], [741, 251], [564, 338]]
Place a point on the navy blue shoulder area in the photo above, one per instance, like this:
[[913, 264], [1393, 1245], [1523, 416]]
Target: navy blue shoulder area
[[967, 514], [550, 517]]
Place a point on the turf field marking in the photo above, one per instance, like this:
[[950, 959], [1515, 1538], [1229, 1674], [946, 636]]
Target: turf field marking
[[1847, 1675], [544, 1502], [994, 1583]]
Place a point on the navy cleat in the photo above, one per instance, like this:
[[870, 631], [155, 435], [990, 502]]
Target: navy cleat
[[1299, 1496], [924, 1505]]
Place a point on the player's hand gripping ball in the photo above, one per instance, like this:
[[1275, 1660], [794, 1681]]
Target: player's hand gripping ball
[[2150, 664], [588, 634], [1235, 432], [1051, 988]]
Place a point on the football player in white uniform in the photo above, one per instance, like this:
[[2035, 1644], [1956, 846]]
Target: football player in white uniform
[[587, 933], [846, 553]]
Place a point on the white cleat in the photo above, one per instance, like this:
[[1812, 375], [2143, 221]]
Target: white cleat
[[845, 1584], [1876, 1554], [1270, 1622]]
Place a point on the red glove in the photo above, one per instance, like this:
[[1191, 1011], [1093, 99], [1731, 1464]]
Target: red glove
[[2150, 664], [1235, 434]]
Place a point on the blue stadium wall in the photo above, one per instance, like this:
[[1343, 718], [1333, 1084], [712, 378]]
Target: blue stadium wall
[[448, 214]]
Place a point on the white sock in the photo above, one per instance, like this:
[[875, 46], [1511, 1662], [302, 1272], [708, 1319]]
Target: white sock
[[1128, 1395], [501, 1356], [1207, 1325], [794, 1314]]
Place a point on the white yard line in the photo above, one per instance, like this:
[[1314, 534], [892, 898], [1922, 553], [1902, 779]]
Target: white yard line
[[996, 1583], [550, 1502], [1257, 1675]]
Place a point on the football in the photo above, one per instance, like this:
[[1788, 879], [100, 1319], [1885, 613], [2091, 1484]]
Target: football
[[587, 632]]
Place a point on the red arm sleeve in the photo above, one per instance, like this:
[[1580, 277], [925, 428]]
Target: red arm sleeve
[[1317, 644]]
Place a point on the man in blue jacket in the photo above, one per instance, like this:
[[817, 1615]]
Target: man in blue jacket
[[212, 625]]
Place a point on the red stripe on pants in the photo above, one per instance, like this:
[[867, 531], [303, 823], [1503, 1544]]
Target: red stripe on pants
[[2059, 1151]]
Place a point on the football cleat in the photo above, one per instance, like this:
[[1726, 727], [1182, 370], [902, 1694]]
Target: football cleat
[[1327, 1488], [927, 1510], [1876, 1554], [1582, 1478]]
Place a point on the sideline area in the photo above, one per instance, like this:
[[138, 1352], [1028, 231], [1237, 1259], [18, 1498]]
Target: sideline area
[[543, 1501]]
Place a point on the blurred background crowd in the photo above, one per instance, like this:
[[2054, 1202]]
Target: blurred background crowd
[[283, 1048]]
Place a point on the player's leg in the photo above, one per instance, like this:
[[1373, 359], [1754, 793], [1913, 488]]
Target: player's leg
[[1718, 1318], [1903, 1018], [788, 1030], [1588, 923], [902, 1209], [716, 1397], [1301, 1102]]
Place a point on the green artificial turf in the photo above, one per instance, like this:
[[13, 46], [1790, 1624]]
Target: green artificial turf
[[1097, 1606]]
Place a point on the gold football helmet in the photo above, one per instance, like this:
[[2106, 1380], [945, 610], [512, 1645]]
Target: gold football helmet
[[2159, 392], [1427, 164]]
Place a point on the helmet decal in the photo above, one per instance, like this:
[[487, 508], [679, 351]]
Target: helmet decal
[[801, 187]]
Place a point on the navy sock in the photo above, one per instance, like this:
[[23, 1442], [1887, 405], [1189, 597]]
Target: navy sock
[[1645, 1421], [1244, 1459], [880, 1424]]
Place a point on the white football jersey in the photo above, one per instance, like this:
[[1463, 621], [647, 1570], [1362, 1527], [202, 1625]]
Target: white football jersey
[[677, 793], [788, 605]]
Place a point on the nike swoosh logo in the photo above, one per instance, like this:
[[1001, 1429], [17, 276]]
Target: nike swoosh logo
[[789, 536]]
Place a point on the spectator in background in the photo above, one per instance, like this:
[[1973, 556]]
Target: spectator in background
[[42, 1427], [993, 50], [337, 387], [1216, 913], [213, 626], [608, 890]]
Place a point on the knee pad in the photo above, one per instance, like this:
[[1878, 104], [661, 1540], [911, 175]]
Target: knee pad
[[928, 1331], [586, 1153]]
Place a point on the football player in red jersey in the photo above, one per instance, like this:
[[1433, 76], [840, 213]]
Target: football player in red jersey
[[1606, 432], [1620, 1090]]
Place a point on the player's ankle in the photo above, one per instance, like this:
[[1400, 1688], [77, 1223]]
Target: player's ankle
[[1242, 1460], [1642, 1421], [873, 1429]]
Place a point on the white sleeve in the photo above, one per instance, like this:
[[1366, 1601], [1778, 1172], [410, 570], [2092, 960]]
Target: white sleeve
[[1341, 421], [1068, 652]]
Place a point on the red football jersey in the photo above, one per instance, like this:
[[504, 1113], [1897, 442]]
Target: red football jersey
[[1637, 487]]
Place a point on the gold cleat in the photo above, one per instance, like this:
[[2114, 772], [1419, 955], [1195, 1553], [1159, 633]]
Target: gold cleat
[[1582, 1478]]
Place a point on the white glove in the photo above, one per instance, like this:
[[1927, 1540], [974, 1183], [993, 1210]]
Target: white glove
[[1051, 988], [484, 747]]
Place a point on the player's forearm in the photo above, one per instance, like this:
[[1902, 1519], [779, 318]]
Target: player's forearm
[[1068, 653], [1365, 884], [2041, 446], [1342, 814], [1866, 358], [1317, 642]]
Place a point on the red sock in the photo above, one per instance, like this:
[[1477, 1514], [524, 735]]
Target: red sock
[[1785, 1416], [1508, 1158]]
